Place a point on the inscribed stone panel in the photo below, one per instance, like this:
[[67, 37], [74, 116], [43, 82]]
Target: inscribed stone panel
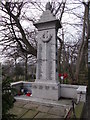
[[39, 69]]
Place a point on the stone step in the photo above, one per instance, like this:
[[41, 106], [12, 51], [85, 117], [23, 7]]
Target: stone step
[[61, 102]]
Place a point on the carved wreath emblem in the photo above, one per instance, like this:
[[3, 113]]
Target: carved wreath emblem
[[46, 37]]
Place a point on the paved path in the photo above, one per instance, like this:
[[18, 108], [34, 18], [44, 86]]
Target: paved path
[[27, 109]]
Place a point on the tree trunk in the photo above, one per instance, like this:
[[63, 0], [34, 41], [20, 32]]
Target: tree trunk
[[83, 44], [26, 60]]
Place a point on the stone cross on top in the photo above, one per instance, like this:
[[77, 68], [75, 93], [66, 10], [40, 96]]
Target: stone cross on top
[[47, 85]]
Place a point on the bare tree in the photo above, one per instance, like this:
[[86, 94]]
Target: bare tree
[[14, 34], [12, 30], [84, 42]]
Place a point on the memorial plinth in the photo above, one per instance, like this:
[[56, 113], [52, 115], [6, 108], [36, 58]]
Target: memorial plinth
[[46, 85]]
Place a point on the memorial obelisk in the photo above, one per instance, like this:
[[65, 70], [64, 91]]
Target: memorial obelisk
[[47, 85]]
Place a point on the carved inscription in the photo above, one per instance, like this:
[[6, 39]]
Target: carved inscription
[[39, 69], [50, 70], [49, 52], [34, 86], [49, 62], [46, 87], [40, 87], [53, 88], [39, 52], [40, 61]]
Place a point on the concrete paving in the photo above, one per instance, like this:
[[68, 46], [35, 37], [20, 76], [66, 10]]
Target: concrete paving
[[33, 109]]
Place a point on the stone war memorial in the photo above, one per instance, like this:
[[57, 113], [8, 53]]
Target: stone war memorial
[[46, 85], [49, 98]]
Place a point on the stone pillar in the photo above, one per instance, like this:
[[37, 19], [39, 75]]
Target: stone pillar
[[46, 85]]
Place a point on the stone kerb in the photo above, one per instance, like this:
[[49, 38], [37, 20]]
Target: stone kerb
[[81, 93], [66, 91], [23, 84], [69, 91], [73, 91]]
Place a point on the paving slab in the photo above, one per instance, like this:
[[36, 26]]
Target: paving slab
[[65, 101], [43, 108], [20, 103], [31, 105], [18, 111], [30, 114], [46, 115], [47, 109], [59, 111]]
